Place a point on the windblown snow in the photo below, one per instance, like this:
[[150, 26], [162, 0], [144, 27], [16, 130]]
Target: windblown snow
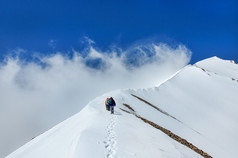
[[199, 104]]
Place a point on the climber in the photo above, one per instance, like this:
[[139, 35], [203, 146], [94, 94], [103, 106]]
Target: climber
[[110, 103]]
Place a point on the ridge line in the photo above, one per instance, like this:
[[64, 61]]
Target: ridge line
[[171, 135], [155, 107]]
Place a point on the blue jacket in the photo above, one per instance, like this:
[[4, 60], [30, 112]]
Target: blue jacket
[[111, 102]]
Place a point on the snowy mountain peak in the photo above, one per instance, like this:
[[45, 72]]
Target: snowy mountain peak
[[214, 61], [194, 114], [226, 68]]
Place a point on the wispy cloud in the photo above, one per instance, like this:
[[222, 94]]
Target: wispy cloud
[[52, 44], [37, 95]]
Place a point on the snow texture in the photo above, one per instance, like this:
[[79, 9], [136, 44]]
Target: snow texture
[[201, 103]]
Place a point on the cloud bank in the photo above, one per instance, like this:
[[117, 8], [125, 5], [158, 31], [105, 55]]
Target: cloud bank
[[37, 94]]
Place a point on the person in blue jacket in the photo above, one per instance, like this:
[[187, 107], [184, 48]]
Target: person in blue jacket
[[110, 104]]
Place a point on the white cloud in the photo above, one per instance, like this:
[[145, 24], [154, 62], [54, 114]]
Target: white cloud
[[52, 44], [34, 97], [87, 40]]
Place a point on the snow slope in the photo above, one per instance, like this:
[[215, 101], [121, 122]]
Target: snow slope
[[198, 104]]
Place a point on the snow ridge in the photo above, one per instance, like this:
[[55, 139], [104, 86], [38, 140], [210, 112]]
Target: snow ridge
[[169, 133], [195, 109]]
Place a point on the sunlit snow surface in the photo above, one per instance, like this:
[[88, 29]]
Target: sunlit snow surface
[[203, 97]]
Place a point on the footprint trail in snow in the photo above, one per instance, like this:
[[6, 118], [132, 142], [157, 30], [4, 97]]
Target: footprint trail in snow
[[110, 142]]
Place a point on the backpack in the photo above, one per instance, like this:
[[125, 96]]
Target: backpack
[[107, 101]]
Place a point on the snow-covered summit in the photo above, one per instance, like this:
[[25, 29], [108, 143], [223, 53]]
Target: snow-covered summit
[[193, 114], [218, 66]]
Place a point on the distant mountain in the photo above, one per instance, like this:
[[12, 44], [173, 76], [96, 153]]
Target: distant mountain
[[193, 114]]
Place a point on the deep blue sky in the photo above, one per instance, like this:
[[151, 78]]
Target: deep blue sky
[[207, 28]]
